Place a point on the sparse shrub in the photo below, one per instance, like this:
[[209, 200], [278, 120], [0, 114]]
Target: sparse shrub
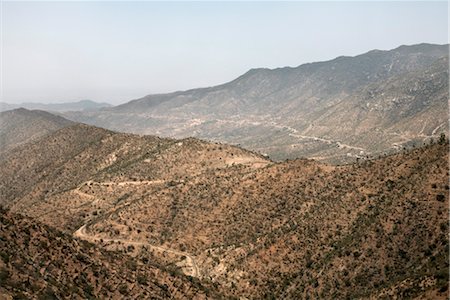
[[440, 197], [142, 279], [123, 289], [443, 288], [4, 256], [88, 289], [4, 274], [402, 254], [442, 139], [48, 294]]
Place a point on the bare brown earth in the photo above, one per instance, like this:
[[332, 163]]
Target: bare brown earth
[[240, 223]]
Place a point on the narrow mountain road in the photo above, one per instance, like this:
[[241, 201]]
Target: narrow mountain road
[[190, 261], [296, 134], [82, 233], [122, 183], [292, 132], [95, 200]]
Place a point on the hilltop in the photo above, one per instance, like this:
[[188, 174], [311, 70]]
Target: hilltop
[[19, 126], [56, 168], [230, 218], [333, 111]]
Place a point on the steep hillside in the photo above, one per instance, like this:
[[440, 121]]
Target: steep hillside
[[333, 111], [236, 221], [20, 126], [39, 262]]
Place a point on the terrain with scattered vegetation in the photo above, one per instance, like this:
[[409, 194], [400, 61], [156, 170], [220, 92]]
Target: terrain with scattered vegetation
[[40, 262], [113, 215]]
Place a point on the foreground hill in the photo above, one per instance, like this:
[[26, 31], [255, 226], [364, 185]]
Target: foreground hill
[[333, 111], [230, 218], [39, 262], [20, 126]]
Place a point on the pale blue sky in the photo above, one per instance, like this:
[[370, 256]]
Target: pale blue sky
[[118, 51]]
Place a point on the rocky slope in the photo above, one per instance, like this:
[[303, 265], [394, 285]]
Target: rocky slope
[[238, 222], [333, 111]]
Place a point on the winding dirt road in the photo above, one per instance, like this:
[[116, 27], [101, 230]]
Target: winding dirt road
[[189, 261], [122, 183]]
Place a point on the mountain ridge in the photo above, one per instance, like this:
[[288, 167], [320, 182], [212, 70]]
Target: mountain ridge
[[56, 107], [296, 111]]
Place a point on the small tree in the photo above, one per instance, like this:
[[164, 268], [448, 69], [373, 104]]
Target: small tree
[[442, 139]]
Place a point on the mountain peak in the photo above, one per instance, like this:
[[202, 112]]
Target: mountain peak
[[20, 126]]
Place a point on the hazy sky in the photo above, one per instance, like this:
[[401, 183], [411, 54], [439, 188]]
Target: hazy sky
[[118, 51]]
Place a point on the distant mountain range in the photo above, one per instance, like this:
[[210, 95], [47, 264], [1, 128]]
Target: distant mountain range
[[334, 111], [83, 105]]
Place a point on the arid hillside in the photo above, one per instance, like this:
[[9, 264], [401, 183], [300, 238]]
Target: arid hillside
[[301, 228], [20, 126], [49, 177], [229, 218]]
